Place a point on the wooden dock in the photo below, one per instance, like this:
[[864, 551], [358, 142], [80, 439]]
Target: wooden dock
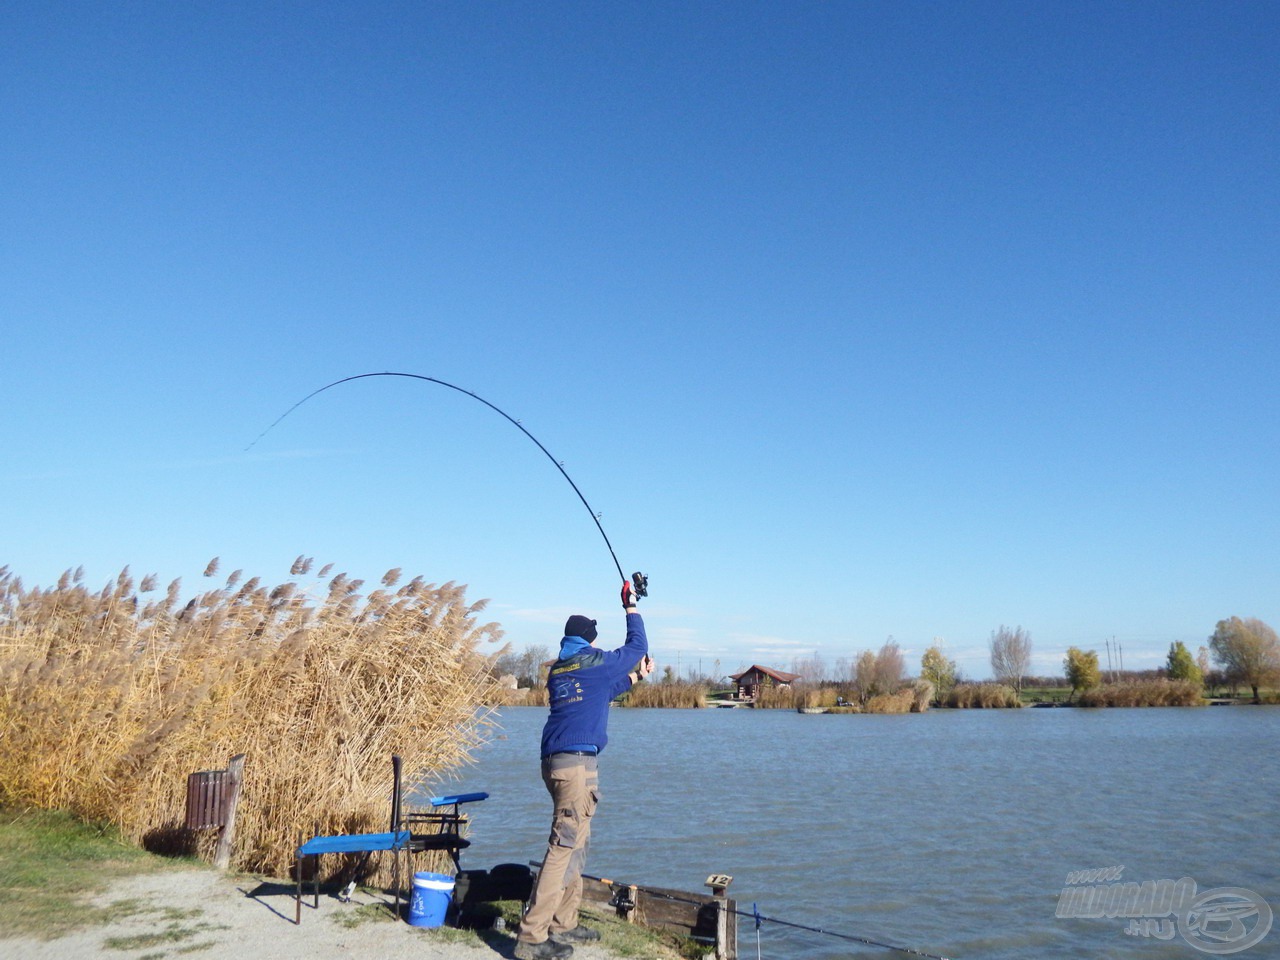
[[707, 918]]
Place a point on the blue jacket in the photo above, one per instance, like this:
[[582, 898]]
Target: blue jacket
[[582, 684]]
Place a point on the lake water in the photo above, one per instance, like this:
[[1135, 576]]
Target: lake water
[[951, 832]]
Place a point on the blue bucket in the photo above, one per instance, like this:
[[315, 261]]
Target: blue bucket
[[429, 903]]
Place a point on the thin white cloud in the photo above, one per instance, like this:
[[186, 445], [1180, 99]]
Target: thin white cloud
[[133, 469]]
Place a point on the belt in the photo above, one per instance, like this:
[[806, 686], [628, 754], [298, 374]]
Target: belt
[[574, 753]]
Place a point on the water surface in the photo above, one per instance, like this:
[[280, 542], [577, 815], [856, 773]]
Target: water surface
[[951, 832]]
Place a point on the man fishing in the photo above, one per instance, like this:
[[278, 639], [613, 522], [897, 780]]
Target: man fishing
[[580, 686]]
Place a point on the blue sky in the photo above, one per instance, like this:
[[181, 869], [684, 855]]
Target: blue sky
[[852, 320]]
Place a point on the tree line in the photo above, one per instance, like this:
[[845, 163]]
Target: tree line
[[1245, 652], [1240, 652]]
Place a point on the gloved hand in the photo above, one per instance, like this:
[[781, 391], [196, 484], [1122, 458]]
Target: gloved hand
[[629, 598]]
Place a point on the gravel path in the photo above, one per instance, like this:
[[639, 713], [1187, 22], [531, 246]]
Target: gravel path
[[200, 912]]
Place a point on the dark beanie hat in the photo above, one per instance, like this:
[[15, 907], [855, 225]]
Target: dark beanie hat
[[580, 626]]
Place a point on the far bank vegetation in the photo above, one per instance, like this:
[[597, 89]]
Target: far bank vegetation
[[1241, 654], [1160, 692], [872, 682], [672, 693], [984, 695], [521, 681]]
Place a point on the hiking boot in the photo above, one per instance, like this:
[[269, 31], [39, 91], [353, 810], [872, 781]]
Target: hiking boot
[[578, 934], [546, 950]]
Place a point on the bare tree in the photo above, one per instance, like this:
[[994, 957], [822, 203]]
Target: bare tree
[[845, 670], [529, 665], [1010, 655], [890, 667], [503, 663], [809, 669]]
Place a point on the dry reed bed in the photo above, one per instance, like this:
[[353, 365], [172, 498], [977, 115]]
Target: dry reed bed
[[983, 696], [912, 697], [109, 699], [516, 697], [666, 695], [1144, 693]]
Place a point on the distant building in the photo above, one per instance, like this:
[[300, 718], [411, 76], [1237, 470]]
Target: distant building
[[751, 680]]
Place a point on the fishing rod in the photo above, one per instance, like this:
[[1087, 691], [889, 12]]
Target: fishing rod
[[638, 580]]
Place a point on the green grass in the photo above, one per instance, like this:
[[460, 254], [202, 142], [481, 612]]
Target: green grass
[[1049, 694], [619, 939], [173, 934], [51, 863], [357, 916]]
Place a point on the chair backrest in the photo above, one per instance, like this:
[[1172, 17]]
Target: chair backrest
[[395, 793]]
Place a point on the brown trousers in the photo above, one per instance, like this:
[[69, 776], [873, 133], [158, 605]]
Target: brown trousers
[[574, 785]]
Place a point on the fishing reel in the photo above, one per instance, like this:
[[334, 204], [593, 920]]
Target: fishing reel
[[623, 899], [641, 584]]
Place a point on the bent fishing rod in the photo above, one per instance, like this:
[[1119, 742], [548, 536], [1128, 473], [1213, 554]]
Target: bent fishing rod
[[639, 580]]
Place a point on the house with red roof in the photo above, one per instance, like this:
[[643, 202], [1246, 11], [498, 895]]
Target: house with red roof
[[750, 681]]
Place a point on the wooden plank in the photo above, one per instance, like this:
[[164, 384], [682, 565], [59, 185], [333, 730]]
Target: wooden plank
[[230, 800], [699, 916], [696, 915]]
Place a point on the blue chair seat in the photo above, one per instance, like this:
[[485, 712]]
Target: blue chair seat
[[354, 843]]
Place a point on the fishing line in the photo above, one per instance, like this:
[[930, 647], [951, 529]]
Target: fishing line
[[640, 581], [840, 936]]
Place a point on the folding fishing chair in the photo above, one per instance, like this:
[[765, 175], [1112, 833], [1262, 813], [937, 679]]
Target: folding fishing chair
[[416, 831]]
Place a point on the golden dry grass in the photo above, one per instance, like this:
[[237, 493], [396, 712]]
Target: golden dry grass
[[666, 695], [911, 698], [900, 702], [515, 697], [983, 696], [776, 697], [1144, 693], [109, 699]]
